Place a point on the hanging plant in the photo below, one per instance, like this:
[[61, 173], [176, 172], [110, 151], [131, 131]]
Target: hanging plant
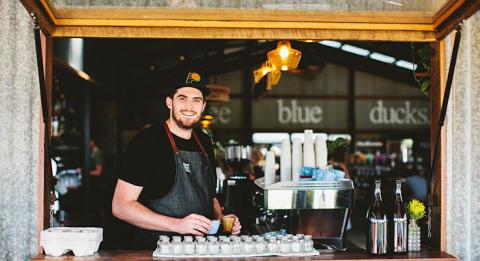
[[422, 73]]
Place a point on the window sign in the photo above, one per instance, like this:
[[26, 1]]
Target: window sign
[[376, 114], [299, 113]]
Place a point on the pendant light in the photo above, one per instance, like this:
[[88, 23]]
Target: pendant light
[[273, 78], [284, 57], [262, 71]]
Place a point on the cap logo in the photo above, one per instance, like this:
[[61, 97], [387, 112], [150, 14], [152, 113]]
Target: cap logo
[[193, 77]]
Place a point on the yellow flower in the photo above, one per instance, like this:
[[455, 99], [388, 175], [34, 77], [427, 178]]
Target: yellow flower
[[415, 209]]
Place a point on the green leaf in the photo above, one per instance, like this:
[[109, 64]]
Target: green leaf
[[425, 87]]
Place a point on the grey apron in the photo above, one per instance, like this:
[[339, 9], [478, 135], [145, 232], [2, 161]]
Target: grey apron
[[192, 192]]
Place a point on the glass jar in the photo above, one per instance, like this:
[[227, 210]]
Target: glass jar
[[213, 246], [225, 248], [285, 245], [248, 246], [237, 246], [295, 245], [188, 246], [308, 244], [259, 245], [165, 246], [272, 245], [164, 238], [201, 246], [177, 246]]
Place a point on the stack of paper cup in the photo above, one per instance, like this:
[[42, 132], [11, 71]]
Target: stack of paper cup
[[297, 158], [321, 152], [269, 168], [286, 161], [308, 149]]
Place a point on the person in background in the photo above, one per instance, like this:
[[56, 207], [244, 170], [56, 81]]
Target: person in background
[[98, 197], [96, 158], [255, 168], [167, 183]]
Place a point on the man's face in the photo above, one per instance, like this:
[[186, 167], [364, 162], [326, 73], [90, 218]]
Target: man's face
[[186, 107]]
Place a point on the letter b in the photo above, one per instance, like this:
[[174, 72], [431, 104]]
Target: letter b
[[284, 113]]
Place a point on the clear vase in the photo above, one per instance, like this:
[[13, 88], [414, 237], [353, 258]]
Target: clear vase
[[413, 236]]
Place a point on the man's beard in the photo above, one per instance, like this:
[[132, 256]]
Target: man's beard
[[183, 123]]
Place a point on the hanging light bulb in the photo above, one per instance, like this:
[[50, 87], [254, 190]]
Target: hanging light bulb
[[284, 57], [274, 77], [205, 123], [262, 71]]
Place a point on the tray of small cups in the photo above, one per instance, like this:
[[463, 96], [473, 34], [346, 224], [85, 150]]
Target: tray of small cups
[[235, 246]]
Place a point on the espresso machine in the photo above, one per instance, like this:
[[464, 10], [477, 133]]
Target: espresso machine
[[317, 208], [238, 188]]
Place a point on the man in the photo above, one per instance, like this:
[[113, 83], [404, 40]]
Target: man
[[96, 159], [167, 185]]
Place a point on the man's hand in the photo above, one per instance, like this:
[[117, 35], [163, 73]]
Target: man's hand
[[193, 224], [236, 224]]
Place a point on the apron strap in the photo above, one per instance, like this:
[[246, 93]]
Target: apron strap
[[174, 145], [170, 138], [199, 144]]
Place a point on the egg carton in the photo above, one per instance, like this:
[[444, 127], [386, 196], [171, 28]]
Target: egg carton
[[83, 241]]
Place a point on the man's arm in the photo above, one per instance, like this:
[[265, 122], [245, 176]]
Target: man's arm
[[217, 210], [126, 207], [97, 171]]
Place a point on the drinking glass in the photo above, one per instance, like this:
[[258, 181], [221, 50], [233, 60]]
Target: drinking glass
[[237, 246], [225, 247], [308, 244], [165, 246], [285, 245], [260, 245], [201, 246], [213, 246], [177, 246], [188, 246], [295, 244], [248, 246]]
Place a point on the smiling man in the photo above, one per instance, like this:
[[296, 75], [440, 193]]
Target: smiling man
[[167, 183]]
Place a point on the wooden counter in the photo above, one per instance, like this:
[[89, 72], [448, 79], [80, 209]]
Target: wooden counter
[[147, 255]]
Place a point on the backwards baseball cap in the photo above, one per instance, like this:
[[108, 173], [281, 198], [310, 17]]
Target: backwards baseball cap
[[189, 79]]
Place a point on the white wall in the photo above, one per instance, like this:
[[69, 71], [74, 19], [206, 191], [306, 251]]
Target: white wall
[[19, 133], [463, 147]]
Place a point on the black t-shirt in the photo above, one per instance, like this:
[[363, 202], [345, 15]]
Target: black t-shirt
[[150, 162]]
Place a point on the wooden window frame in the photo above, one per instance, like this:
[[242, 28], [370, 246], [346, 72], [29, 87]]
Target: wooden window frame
[[238, 24]]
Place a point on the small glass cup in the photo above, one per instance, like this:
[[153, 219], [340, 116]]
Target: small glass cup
[[285, 245], [177, 246], [272, 245], [260, 245], [201, 247], [213, 246], [227, 224], [188, 246], [248, 246], [225, 247], [295, 246], [307, 244], [237, 246], [165, 246]]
